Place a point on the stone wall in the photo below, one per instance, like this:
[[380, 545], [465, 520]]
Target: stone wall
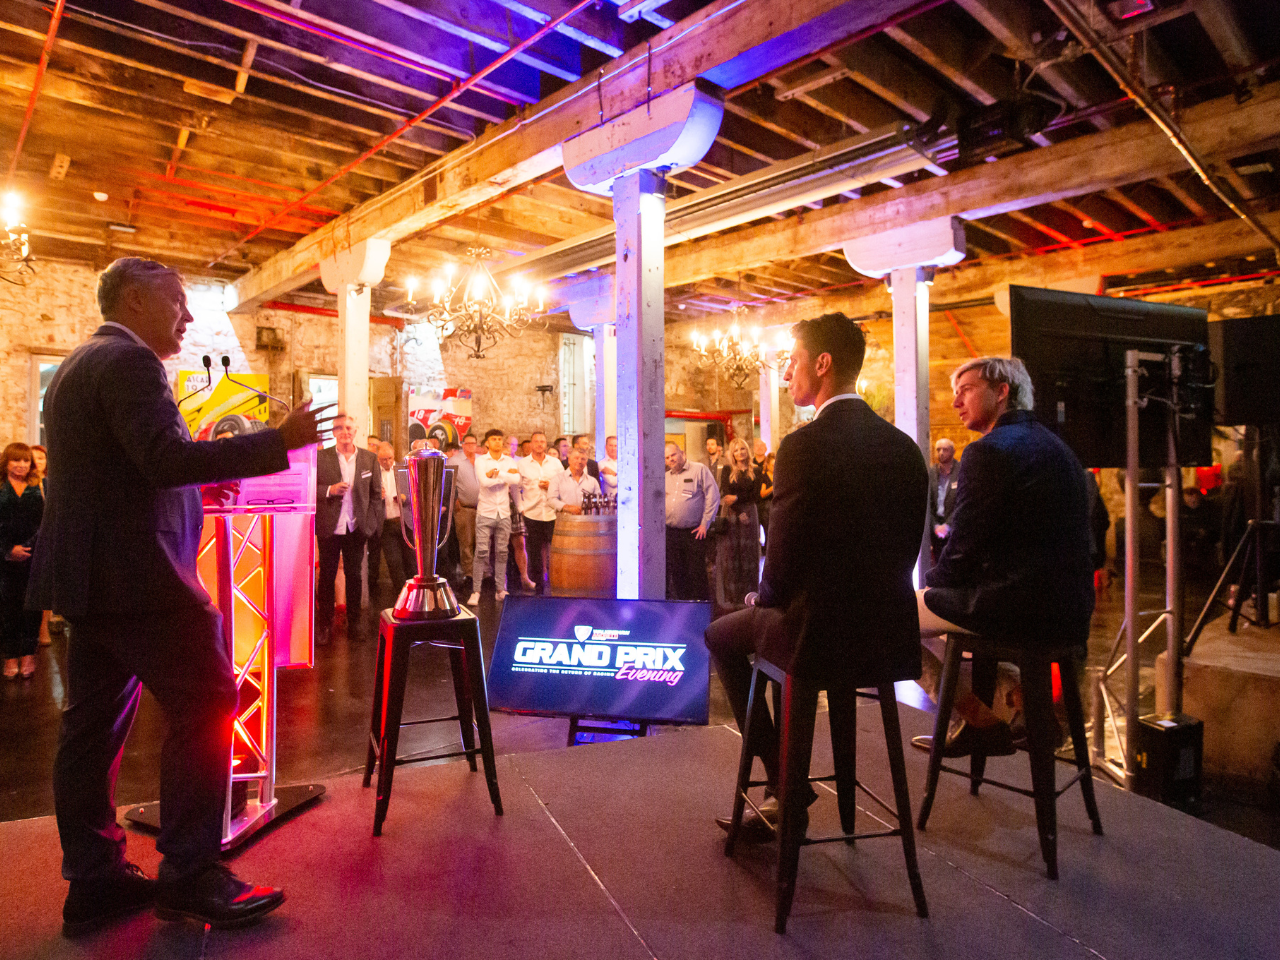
[[503, 394]]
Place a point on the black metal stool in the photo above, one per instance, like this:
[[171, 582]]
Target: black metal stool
[[1036, 667], [461, 637], [799, 708]]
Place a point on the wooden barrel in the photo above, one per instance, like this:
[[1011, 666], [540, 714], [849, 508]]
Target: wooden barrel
[[584, 556]]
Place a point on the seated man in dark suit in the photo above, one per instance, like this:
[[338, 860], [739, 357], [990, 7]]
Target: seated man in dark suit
[[844, 534], [116, 556], [1017, 566]]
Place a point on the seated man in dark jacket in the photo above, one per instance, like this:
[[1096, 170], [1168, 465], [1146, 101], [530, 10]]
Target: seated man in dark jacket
[[845, 532], [1017, 565]]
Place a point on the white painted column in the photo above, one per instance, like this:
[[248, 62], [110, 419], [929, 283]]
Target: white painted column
[[353, 354], [639, 209], [911, 355], [349, 274], [769, 379], [606, 344]]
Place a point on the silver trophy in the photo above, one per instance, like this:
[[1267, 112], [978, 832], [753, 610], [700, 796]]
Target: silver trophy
[[427, 596]]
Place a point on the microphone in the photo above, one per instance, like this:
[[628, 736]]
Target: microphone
[[226, 372], [208, 375]]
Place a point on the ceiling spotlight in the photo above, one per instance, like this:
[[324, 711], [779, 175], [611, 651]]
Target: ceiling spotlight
[[100, 196]]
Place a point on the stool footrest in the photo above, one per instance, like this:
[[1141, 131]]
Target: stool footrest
[[418, 723], [401, 761], [846, 837], [1025, 791]]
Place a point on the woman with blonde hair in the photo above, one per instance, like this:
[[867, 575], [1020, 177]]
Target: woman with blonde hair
[[738, 549], [21, 509]]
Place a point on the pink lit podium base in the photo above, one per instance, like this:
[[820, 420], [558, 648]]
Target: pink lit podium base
[[257, 560]]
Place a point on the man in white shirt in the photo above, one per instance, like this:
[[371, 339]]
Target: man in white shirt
[[609, 468], [496, 474], [466, 491], [389, 542], [573, 484], [539, 479]]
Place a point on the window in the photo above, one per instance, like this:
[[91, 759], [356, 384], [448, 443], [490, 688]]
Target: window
[[42, 371], [575, 388]]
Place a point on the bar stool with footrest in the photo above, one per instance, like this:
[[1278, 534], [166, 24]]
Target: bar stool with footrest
[[1036, 667], [460, 635], [799, 707]]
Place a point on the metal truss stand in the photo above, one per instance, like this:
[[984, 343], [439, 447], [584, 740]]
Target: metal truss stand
[[244, 563], [1107, 703]]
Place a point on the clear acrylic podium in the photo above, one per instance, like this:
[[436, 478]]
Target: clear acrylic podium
[[257, 560]]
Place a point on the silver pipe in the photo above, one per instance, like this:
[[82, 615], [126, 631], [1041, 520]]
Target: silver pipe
[[1079, 25], [1131, 565]]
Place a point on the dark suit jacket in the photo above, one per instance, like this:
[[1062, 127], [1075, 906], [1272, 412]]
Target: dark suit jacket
[[123, 516], [366, 492], [1016, 566], [949, 501], [844, 534]]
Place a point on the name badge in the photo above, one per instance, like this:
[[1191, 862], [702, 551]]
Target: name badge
[[367, 473]]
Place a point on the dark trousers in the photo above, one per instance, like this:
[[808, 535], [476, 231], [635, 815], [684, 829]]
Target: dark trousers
[[686, 565], [732, 640], [181, 658], [350, 547], [19, 627], [390, 544], [538, 534]]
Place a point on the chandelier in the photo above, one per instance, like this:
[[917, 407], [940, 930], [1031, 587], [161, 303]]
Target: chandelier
[[473, 310], [15, 250], [737, 358]]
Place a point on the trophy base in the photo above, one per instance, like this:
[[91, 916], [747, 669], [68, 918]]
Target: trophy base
[[426, 598]]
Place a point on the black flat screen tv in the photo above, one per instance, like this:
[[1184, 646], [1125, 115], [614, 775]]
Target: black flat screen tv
[[608, 659], [1074, 345]]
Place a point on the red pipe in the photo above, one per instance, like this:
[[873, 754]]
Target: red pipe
[[35, 89], [1196, 284], [956, 324], [397, 322], [458, 88]]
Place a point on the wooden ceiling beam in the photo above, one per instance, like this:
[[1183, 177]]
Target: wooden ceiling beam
[[1098, 161], [1117, 196], [143, 51], [1183, 196], [478, 23], [787, 118], [387, 75], [1227, 33], [598, 30], [877, 65], [1036, 224], [1014, 243], [182, 110]]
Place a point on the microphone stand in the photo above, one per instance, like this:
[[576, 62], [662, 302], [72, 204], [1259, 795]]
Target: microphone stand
[[226, 372], [208, 373]]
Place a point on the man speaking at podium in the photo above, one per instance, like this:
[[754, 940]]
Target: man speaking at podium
[[116, 556]]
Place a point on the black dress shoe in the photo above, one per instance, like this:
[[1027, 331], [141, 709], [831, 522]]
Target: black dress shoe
[[762, 827], [216, 897], [996, 741], [93, 903]]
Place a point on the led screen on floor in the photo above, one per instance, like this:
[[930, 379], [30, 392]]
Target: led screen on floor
[[619, 659]]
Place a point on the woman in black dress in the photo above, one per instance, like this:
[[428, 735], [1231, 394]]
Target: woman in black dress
[[739, 548], [21, 509]]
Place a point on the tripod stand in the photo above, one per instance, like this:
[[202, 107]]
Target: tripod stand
[[1253, 577], [1251, 551]]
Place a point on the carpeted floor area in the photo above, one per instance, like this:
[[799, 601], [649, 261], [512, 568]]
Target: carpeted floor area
[[609, 851]]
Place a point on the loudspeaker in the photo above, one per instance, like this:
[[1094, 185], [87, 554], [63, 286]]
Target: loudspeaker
[[1169, 754], [715, 431], [1247, 353]]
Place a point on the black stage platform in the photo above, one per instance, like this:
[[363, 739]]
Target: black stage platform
[[609, 851]]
